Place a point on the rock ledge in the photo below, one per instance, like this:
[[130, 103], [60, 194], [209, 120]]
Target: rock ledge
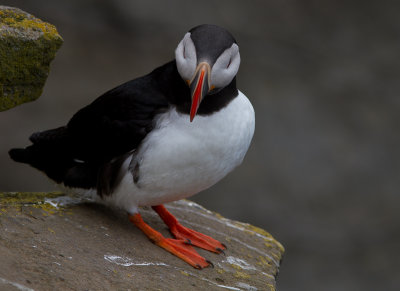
[[50, 241]]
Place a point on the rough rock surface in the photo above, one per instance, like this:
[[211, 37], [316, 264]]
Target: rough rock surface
[[27, 46], [49, 241]]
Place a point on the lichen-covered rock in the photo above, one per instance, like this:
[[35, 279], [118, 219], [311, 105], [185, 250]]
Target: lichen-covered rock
[[49, 241], [27, 46]]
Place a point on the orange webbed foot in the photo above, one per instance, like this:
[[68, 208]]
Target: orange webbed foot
[[178, 247], [195, 238]]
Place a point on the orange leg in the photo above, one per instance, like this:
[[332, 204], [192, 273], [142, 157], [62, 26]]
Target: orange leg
[[180, 232], [178, 247]]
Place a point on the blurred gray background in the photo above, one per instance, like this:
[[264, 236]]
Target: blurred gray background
[[322, 174]]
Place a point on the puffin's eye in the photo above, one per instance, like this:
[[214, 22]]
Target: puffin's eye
[[225, 67], [185, 56], [229, 63]]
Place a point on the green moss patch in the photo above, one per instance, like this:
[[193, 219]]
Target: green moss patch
[[27, 46]]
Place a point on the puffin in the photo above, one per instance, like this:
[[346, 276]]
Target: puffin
[[156, 139]]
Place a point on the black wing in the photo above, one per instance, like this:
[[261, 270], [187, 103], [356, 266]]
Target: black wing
[[117, 121], [97, 135]]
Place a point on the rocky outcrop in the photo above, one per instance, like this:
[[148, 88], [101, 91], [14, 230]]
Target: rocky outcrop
[[27, 46], [49, 241]]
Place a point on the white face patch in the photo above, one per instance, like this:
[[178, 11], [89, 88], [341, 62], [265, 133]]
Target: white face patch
[[226, 67], [186, 59]]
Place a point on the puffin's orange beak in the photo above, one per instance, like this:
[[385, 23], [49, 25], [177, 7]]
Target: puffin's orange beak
[[199, 87]]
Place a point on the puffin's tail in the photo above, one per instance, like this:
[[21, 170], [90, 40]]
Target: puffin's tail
[[21, 155], [48, 153], [54, 153]]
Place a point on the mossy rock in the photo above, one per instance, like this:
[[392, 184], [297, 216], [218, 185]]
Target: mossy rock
[[27, 46]]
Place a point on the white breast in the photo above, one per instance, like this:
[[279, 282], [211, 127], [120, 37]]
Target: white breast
[[179, 158]]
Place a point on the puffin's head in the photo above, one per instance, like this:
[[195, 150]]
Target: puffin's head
[[208, 59]]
